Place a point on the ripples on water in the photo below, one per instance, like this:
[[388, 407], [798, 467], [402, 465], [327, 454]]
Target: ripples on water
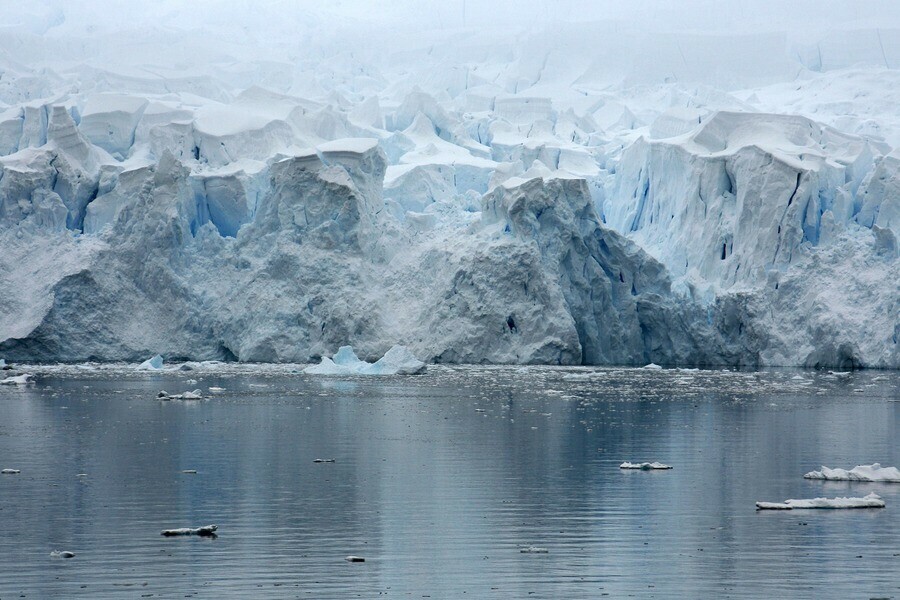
[[439, 480]]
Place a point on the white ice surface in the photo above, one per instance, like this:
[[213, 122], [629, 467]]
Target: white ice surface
[[17, 380], [873, 472], [623, 182], [396, 361], [872, 500]]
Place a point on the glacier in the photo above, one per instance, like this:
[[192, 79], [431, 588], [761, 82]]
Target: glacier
[[532, 198]]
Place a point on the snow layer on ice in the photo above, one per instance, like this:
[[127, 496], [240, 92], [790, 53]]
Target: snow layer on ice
[[873, 472], [607, 191], [872, 500]]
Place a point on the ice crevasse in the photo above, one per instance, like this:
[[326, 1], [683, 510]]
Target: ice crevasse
[[483, 224]]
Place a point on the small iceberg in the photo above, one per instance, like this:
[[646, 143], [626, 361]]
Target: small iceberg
[[10, 472], [205, 531], [166, 396], [354, 559], [873, 472], [871, 501], [152, 364], [652, 367], [397, 361], [645, 466], [62, 554], [18, 380], [532, 550]]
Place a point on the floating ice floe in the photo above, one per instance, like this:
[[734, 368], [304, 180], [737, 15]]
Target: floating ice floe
[[532, 550], [10, 472], [190, 471], [873, 472], [194, 395], [206, 530], [397, 361], [871, 501], [352, 558], [323, 460], [62, 554], [216, 390], [17, 380], [652, 367], [645, 466]]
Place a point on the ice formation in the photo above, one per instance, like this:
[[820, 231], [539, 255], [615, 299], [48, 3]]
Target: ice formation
[[17, 380], [205, 531], [872, 500], [645, 466], [873, 472], [397, 361], [152, 364], [601, 192]]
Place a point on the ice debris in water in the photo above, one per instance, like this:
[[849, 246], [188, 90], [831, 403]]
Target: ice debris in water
[[323, 460], [645, 466], [152, 364], [206, 530], [10, 472], [873, 500], [195, 395], [62, 554], [652, 367], [18, 380], [873, 472], [352, 558], [526, 549], [397, 361]]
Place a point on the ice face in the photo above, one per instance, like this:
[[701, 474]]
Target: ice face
[[625, 197]]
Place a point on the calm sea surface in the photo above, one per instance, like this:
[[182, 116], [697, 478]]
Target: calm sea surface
[[440, 481]]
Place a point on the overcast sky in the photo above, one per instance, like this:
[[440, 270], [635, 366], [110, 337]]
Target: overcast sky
[[696, 15]]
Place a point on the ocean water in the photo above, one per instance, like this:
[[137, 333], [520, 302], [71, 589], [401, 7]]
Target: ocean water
[[441, 480]]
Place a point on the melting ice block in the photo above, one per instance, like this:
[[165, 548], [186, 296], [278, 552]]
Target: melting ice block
[[397, 361], [152, 364], [873, 472], [18, 380], [645, 466], [871, 501]]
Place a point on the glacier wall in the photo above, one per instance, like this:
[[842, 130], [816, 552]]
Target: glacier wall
[[555, 198]]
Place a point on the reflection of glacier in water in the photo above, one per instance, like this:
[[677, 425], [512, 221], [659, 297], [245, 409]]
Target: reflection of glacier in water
[[460, 467]]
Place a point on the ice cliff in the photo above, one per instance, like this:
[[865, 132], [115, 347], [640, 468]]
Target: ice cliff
[[475, 202]]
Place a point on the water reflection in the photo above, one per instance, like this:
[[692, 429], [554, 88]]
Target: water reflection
[[438, 480]]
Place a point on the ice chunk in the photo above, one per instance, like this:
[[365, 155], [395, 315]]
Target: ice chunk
[[873, 472], [62, 554], [871, 501], [354, 559], [645, 466], [152, 364], [10, 472], [652, 367], [397, 361], [17, 380], [532, 550], [194, 395], [206, 531]]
